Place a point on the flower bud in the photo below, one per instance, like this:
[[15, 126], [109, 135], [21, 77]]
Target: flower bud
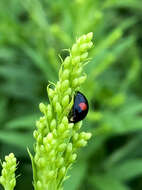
[[84, 56], [42, 119], [2, 180], [42, 149], [82, 79], [4, 164], [61, 128], [84, 47], [41, 162], [82, 39], [67, 62], [53, 124], [54, 132], [75, 137], [85, 136], [89, 37], [42, 107], [66, 134], [12, 182], [60, 162], [77, 72], [58, 86], [58, 108], [47, 147], [4, 173], [39, 138], [76, 60], [40, 125], [70, 125], [68, 91], [62, 171], [62, 147], [75, 83], [53, 142], [39, 185], [90, 44], [52, 159], [11, 155], [55, 99], [50, 174], [65, 120], [81, 143], [69, 148], [52, 153], [65, 85], [65, 74], [49, 112], [50, 92], [35, 134], [72, 158], [74, 50], [78, 125], [49, 137], [65, 100]]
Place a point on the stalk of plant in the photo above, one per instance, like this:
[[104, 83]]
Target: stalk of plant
[[56, 140]]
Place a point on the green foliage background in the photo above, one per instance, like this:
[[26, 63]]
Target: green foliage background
[[32, 35]]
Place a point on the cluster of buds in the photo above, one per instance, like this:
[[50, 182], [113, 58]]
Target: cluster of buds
[[7, 179], [57, 140]]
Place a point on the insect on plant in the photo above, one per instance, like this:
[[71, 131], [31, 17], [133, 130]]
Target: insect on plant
[[79, 109]]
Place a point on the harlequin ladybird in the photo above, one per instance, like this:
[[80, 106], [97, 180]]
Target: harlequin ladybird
[[79, 109]]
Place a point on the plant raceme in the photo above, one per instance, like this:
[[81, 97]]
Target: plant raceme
[[57, 140], [7, 178]]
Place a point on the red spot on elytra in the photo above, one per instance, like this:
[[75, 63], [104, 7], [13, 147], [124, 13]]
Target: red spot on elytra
[[83, 106]]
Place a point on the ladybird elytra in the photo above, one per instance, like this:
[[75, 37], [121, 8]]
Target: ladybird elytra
[[83, 106], [79, 109]]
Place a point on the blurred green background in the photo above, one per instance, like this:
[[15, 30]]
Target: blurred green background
[[32, 35]]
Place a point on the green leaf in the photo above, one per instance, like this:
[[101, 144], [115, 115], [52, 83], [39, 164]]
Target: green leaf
[[126, 170], [106, 182], [22, 140], [128, 150], [26, 122]]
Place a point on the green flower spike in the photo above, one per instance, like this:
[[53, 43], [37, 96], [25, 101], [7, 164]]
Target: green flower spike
[[57, 140], [8, 179]]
